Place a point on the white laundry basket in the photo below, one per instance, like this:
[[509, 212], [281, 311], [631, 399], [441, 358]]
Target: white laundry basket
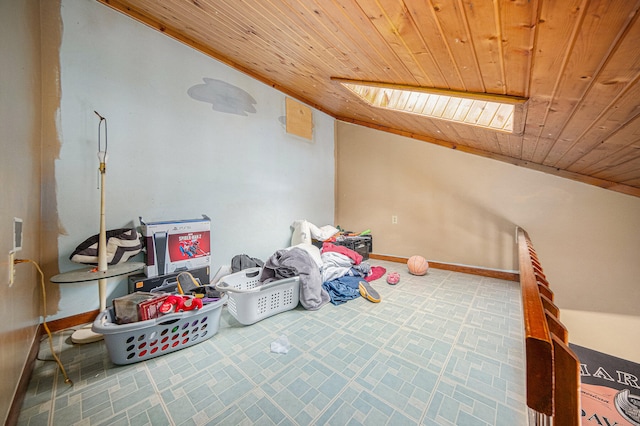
[[251, 301]]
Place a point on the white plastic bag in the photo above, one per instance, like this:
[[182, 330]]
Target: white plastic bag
[[281, 345]]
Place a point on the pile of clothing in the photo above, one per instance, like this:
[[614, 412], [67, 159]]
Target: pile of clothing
[[331, 274], [342, 272]]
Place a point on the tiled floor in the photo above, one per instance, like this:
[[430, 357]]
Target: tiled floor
[[442, 349]]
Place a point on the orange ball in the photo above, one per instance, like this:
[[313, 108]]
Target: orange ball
[[417, 265]]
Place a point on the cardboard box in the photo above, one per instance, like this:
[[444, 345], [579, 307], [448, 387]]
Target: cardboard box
[[165, 283], [174, 246], [150, 309], [125, 308]]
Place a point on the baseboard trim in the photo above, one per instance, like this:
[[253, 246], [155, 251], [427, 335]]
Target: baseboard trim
[[491, 273], [72, 321], [25, 377], [88, 317]]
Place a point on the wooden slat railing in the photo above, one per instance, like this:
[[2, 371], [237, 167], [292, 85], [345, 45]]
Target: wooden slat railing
[[552, 369]]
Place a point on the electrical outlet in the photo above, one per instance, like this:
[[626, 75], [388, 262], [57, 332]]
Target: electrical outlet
[[10, 267], [394, 220]]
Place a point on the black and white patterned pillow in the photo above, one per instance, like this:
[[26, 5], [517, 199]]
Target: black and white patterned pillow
[[122, 244]]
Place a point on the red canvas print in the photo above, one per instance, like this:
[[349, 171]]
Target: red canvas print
[[188, 246]]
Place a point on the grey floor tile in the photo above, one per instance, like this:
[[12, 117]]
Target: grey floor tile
[[440, 349]]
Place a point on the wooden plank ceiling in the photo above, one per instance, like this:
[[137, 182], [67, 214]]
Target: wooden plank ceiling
[[577, 62]]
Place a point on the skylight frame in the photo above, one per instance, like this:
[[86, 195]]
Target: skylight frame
[[488, 111]]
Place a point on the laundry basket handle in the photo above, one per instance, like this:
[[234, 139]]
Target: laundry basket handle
[[223, 286], [277, 283], [248, 273]]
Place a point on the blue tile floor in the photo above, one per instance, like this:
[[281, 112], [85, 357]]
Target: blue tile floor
[[441, 349]]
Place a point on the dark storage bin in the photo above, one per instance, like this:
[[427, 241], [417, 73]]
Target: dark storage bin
[[362, 245]]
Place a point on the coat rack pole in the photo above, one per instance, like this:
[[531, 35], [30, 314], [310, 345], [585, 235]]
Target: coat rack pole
[[102, 241], [102, 272], [86, 334]]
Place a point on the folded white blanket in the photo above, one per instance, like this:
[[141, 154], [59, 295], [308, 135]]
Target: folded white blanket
[[304, 231]]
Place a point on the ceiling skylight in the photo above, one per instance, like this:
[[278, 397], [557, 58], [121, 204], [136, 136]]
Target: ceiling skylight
[[497, 112]]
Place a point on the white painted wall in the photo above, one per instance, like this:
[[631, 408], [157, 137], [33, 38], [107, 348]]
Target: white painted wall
[[173, 157]]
